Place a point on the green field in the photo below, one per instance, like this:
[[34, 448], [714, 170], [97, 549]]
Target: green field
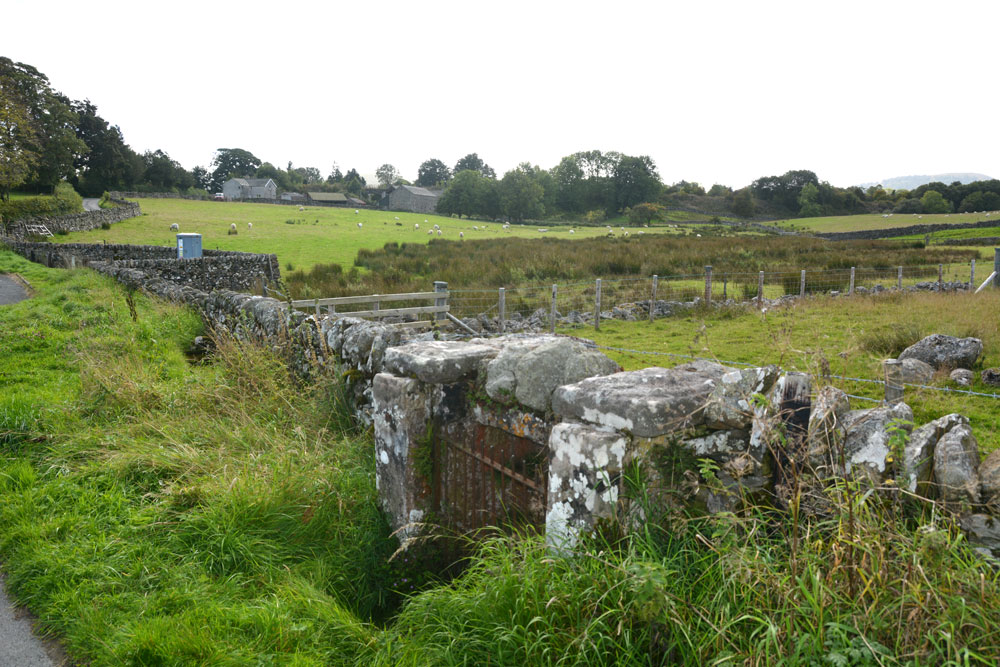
[[318, 235], [857, 223]]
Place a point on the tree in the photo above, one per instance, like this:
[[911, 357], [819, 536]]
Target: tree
[[718, 190], [470, 193], [202, 179], [110, 164], [809, 206], [432, 172], [743, 204], [475, 163], [230, 163], [386, 175], [635, 181], [933, 201], [521, 196], [17, 141], [354, 183], [570, 185], [336, 176]]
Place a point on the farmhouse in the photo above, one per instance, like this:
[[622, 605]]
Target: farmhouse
[[249, 188], [410, 198]]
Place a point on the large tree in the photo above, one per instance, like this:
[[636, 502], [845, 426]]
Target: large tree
[[386, 175], [110, 164], [433, 172], [521, 196], [636, 181], [475, 163], [232, 163], [17, 141], [470, 193]]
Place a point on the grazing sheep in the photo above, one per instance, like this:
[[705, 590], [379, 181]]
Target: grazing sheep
[[232, 229], [430, 232], [397, 217], [174, 227], [698, 235], [249, 225], [461, 235], [571, 231], [476, 228], [425, 221], [416, 225], [355, 211], [302, 208], [436, 227], [359, 225], [439, 232]]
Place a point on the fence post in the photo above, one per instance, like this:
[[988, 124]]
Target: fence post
[[760, 289], [899, 277], [708, 285], [441, 287], [996, 267], [972, 276], [850, 291], [652, 299], [893, 380], [317, 307], [802, 283], [552, 313], [502, 307], [597, 304], [940, 276]]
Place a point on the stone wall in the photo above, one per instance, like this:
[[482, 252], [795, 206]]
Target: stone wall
[[79, 222], [904, 231]]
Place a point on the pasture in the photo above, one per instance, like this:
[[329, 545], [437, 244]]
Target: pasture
[[317, 235], [857, 223]]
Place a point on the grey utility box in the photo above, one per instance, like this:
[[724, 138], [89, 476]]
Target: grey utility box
[[188, 246]]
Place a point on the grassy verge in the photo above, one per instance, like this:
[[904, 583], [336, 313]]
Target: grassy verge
[[159, 512]]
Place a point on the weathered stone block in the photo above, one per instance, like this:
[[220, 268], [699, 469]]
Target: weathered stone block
[[956, 464], [916, 468], [401, 412], [729, 405], [584, 480], [942, 351], [826, 429], [867, 443], [989, 478], [531, 369], [437, 362], [983, 531], [646, 403]]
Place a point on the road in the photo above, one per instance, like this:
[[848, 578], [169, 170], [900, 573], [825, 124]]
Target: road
[[18, 645], [11, 291], [91, 204]]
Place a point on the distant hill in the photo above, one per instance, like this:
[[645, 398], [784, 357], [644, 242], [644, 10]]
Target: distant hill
[[910, 182]]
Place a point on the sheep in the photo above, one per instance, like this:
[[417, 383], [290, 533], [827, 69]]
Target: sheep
[[355, 211], [249, 226], [626, 233], [232, 229], [175, 227], [359, 225], [571, 231], [475, 227], [416, 225], [430, 232], [461, 235], [425, 221], [302, 208], [439, 232], [397, 217]]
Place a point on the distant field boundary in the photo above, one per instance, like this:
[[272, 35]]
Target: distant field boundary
[[885, 233], [282, 202]]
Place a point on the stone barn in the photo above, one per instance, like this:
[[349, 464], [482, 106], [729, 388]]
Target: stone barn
[[410, 198], [249, 188]]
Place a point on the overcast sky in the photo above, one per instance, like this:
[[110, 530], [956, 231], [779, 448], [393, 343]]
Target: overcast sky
[[715, 92]]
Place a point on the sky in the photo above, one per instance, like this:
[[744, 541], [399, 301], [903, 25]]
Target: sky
[[713, 91]]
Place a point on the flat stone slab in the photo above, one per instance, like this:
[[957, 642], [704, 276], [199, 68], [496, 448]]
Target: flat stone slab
[[437, 362], [647, 403]]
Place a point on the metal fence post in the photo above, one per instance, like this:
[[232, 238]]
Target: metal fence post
[[899, 277], [760, 289], [850, 291], [802, 283], [552, 313], [502, 307], [441, 287], [652, 298], [597, 305], [893, 380], [708, 285]]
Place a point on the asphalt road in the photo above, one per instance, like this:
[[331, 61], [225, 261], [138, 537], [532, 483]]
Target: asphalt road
[[18, 646], [10, 291]]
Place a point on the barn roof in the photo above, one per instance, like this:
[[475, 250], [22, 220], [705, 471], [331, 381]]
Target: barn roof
[[327, 196], [420, 192]]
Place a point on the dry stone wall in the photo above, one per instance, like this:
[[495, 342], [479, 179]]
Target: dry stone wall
[[79, 222]]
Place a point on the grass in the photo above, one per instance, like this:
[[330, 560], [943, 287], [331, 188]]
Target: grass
[[832, 335], [157, 511], [303, 239], [856, 223]]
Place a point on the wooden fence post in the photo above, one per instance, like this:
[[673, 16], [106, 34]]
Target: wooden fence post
[[652, 298], [893, 380], [972, 276], [502, 307], [899, 277], [552, 313], [850, 291], [940, 277], [708, 285], [440, 286], [760, 289], [802, 283], [996, 267], [597, 305]]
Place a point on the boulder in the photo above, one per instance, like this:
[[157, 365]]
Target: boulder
[[530, 369], [729, 406], [719, 445], [989, 479], [436, 362], [648, 403], [335, 331], [983, 531], [963, 377], [826, 428], [915, 371], [991, 377], [956, 464], [358, 340], [942, 351], [868, 438], [915, 471]]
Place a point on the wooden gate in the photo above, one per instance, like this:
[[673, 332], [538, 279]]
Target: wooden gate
[[489, 477]]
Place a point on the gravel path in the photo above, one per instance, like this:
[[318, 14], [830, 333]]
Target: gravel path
[[18, 645], [11, 291]]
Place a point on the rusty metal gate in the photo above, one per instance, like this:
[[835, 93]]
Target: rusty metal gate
[[490, 477]]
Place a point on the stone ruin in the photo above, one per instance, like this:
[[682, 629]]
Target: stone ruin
[[544, 431]]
